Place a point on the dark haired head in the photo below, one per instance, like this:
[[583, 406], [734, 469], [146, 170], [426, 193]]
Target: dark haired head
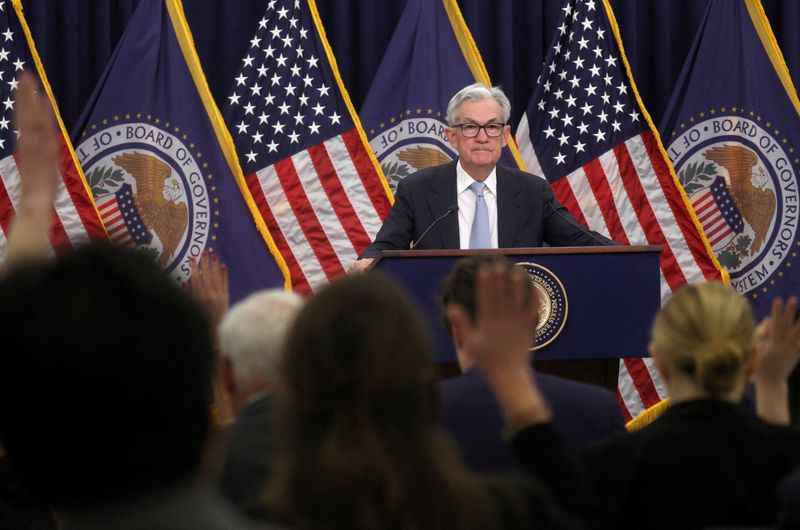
[[459, 286], [360, 347], [104, 376], [358, 438]]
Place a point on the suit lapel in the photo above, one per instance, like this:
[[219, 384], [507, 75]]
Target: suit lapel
[[441, 197], [508, 207]]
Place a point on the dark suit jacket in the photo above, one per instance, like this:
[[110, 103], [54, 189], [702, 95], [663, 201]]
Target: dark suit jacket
[[18, 508], [704, 463], [525, 213], [789, 517], [182, 507], [249, 462], [582, 414]]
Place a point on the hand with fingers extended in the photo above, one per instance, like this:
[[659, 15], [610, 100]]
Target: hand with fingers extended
[[505, 316], [209, 287], [777, 354], [499, 341], [37, 160]]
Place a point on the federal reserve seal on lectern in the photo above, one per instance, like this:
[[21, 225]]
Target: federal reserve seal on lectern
[[553, 304]]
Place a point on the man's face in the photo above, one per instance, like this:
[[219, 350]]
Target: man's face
[[481, 153]]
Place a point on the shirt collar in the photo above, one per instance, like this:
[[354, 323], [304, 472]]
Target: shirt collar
[[463, 180]]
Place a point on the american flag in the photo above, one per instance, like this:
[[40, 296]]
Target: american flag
[[122, 220], [75, 218], [718, 213], [305, 158], [587, 132]]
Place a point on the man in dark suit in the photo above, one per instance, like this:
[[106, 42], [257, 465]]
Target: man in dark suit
[[251, 338], [582, 413], [516, 209]]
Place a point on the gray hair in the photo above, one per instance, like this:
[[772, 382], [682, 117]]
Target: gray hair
[[253, 331], [477, 92]]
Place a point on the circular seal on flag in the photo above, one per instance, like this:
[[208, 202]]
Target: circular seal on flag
[[553, 306], [410, 143], [150, 191], [742, 186]]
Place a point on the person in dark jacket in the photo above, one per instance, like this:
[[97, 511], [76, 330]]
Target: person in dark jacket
[[582, 413], [358, 441], [710, 461]]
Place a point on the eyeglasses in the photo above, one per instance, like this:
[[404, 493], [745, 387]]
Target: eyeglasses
[[471, 130]]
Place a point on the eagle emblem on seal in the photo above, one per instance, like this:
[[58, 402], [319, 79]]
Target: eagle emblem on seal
[[756, 204], [423, 157], [157, 200]]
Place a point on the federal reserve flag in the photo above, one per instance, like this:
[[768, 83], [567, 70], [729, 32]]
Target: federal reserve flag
[[160, 162], [431, 57], [315, 183], [587, 131], [75, 219], [732, 130]]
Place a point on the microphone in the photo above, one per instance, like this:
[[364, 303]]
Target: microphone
[[582, 228], [451, 209]]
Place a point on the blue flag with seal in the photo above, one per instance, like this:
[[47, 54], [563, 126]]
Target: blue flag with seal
[[732, 130], [430, 57], [160, 162]]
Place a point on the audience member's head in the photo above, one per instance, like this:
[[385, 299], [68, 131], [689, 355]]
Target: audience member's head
[[251, 339], [458, 288], [358, 437], [104, 377], [704, 336]]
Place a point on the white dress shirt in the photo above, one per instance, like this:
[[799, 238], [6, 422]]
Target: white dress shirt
[[466, 205]]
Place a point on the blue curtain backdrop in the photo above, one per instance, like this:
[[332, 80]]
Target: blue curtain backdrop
[[76, 38]]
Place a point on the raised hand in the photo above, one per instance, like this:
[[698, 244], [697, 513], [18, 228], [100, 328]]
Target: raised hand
[[37, 160], [777, 354], [210, 287], [499, 341]]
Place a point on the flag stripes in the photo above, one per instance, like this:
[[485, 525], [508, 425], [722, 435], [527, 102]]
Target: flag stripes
[[652, 211], [689, 232], [68, 227], [629, 217], [314, 181], [74, 207], [638, 388], [59, 238], [598, 178], [75, 219], [712, 220], [312, 198], [302, 215], [114, 221], [337, 199], [619, 195], [296, 275], [314, 211], [373, 187], [9, 194], [715, 224], [562, 189]]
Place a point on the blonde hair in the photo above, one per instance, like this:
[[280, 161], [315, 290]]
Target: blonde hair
[[706, 331]]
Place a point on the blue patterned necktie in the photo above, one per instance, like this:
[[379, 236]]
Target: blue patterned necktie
[[479, 237]]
